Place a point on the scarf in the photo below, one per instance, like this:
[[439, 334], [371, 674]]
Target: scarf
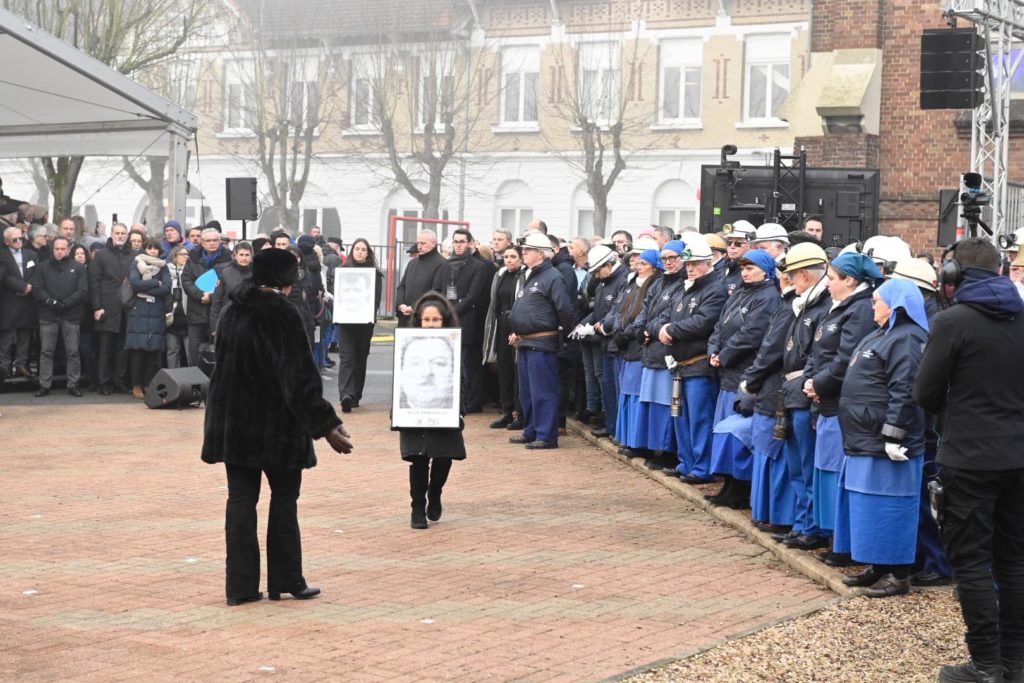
[[802, 301], [148, 267]]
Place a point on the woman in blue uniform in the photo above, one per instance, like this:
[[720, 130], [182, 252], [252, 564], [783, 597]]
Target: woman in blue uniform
[[883, 439]]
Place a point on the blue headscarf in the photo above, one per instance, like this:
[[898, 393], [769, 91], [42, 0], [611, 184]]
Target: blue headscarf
[[677, 246], [858, 266], [653, 256], [763, 260], [904, 294]]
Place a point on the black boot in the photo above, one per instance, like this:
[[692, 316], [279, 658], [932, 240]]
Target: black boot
[[439, 469], [739, 495], [723, 493], [418, 492]]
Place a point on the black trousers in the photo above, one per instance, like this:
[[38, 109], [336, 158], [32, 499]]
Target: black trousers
[[284, 545], [113, 359], [197, 334], [472, 366], [984, 539], [144, 365], [568, 371], [508, 375], [353, 350]]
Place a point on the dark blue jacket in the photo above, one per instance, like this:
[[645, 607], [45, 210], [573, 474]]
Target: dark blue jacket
[[659, 301], [799, 344], [60, 289], [563, 263], [877, 395], [837, 336], [543, 306], [764, 376], [691, 320], [605, 296], [628, 340], [146, 330], [730, 276], [741, 328]]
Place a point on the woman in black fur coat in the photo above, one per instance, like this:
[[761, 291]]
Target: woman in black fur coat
[[263, 411], [430, 452]]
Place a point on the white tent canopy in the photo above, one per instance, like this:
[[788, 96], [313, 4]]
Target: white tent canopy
[[59, 101]]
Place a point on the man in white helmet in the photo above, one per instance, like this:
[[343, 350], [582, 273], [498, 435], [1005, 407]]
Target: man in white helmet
[[737, 243], [773, 238]]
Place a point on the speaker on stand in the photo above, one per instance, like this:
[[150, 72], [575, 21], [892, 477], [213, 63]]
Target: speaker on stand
[[177, 388], [242, 202]]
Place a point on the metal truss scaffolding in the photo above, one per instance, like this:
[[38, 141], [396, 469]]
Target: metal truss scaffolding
[[1001, 24]]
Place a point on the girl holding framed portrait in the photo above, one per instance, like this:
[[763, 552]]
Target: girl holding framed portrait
[[427, 369]]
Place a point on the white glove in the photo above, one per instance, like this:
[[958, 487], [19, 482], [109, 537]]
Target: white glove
[[328, 297], [585, 330], [896, 452]]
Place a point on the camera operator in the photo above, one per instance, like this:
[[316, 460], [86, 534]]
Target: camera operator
[[970, 376]]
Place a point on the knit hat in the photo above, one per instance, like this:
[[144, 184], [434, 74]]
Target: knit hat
[[274, 268], [305, 243], [652, 257], [176, 225]]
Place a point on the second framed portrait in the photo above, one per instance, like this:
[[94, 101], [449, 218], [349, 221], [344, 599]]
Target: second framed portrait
[[427, 371]]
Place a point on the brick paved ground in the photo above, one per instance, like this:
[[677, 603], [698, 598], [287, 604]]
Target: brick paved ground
[[547, 566]]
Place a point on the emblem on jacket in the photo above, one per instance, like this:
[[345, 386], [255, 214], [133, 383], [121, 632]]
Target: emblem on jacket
[[693, 305]]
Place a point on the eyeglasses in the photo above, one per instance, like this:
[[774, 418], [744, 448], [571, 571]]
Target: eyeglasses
[[15, 239], [737, 243], [669, 259]]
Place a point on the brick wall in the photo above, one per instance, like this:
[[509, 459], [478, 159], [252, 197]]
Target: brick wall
[[842, 24], [844, 151]]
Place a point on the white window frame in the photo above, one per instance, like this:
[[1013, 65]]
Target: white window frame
[[233, 78], [602, 59], [445, 72], [522, 216], [771, 51], [523, 62], [678, 213], [687, 55], [362, 72]]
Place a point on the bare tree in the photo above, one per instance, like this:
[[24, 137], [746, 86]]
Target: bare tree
[[595, 88], [127, 35]]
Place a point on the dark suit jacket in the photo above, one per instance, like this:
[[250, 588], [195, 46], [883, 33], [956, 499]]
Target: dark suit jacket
[[17, 309]]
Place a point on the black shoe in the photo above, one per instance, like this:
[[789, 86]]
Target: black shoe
[[1013, 675], [43, 391], [888, 586], [670, 471], [632, 452], [805, 542], [771, 528], [516, 425], [781, 537], [235, 602], [837, 559], [434, 508], [104, 391], [930, 579], [304, 594], [520, 439], [419, 519], [864, 578], [970, 673], [346, 404], [693, 481], [355, 403], [541, 445], [598, 421], [75, 391], [584, 416], [502, 422], [600, 433]]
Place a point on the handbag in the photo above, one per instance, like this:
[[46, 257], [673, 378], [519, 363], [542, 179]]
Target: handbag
[[125, 294]]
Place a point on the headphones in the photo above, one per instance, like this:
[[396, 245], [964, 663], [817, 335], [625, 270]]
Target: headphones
[[950, 272]]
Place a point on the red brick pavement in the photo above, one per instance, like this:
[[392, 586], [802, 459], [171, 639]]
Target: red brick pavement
[[548, 566]]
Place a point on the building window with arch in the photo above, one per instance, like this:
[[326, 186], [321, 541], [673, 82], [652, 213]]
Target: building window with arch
[[680, 81], [674, 205], [766, 76], [514, 203], [520, 79], [583, 214]]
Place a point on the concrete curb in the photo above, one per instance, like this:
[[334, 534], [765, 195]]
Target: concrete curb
[[796, 560]]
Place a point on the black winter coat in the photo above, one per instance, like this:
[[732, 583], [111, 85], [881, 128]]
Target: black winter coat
[[837, 336], [266, 402], [764, 376], [543, 306], [971, 377], [471, 277], [60, 289], [107, 271], [739, 331], [799, 345], [431, 443], [197, 312], [17, 309], [659, 301], [425, 273], [232, 277], [731, 277], [605, 295], [692, 320], [627, 336], [877, 403], [146, 329]]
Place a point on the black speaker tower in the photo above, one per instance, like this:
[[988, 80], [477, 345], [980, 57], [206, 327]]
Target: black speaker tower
[[952, 69], [241, 196]]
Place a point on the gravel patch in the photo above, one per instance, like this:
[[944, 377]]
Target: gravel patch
[[859, 640]]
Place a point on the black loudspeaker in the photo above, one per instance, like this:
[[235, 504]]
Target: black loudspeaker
[[177, 388], [952, 69], [241, 194]]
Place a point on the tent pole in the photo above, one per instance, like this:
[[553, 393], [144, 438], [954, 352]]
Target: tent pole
[[177, 171]]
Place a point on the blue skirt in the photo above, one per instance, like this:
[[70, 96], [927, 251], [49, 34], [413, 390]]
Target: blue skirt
[[878, 528], [627, 422], [630, 377], [730, 449], [828, 444], [772, 498], [654, 429], [825, 492]]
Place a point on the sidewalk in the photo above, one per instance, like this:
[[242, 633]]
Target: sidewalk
[[548, 566]]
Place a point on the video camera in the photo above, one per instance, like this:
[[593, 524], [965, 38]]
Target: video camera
[[972, 199]]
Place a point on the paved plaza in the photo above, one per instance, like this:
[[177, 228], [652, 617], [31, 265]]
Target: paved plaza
[[547, 566]]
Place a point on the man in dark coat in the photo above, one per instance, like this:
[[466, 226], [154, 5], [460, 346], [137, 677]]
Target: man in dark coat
[[60, 287], [107, 271], [17, 307], [971, 376], [210, 255], [427, 272], [469, 279], [264, 409], [232, 276]]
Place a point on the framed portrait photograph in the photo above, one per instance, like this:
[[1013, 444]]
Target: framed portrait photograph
[[353, 295], [427, 371]]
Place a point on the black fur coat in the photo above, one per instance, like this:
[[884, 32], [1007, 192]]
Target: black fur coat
[[266, 403]]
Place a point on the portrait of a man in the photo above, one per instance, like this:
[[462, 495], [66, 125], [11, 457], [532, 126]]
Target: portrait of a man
[[427, 365], [353, 295]]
